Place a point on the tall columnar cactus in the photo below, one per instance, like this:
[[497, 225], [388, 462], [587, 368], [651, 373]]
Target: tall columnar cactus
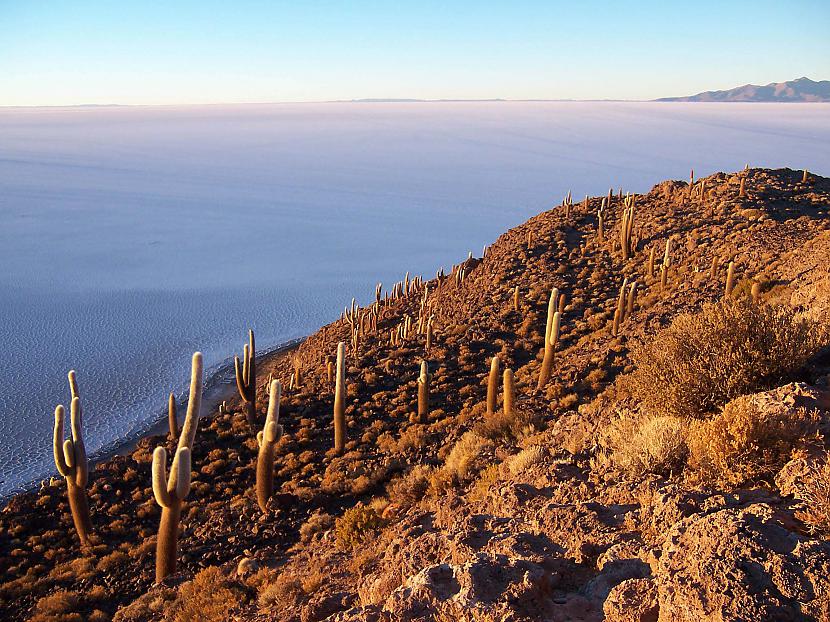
[[172, 422], [730, 278], [742, 189], [72, 463], [340, 400], [627, 228], [551, 337], [664, 277], [805, 177], [246, 378], [509, 392], [493, 386], [423, 394], [651, 263], [632, 297], [267, 440], [516, 299], [171, 490]]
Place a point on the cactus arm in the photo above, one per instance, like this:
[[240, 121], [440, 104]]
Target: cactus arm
[[182, 462], [78, 448], [73, 383], [554, 333], [172, 419], [57, 444], [160, 491], [251, 377], [240, 380], [194, 403], [274, 395], [69, 456]]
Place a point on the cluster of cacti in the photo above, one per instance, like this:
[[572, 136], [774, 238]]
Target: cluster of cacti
[[625, 304], [171, 490], [340, 400], [423, 394], [72, 463], [267, 439], [246, 379], [627, 228], [551, 337]]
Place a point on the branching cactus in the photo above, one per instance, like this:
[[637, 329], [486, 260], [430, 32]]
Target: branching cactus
[[72, 463], [246, 378], [423, 393], [493, 386], [551, 337], [171, 490], [340, 400], [267, 440], [509, 392]]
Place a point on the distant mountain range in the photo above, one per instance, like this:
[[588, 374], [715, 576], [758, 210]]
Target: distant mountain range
[[800, 90]]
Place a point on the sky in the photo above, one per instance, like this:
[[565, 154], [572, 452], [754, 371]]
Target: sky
[[193, 52]]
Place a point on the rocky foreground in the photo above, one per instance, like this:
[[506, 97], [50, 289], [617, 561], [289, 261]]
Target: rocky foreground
[[655, 476]]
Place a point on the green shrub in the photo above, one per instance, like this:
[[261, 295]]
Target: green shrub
[[356, 524]]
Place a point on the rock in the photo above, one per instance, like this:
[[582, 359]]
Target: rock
[[246, 566], [633, 600], [741, 564]]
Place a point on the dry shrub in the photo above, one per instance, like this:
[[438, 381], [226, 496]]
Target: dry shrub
[[748, 440], [816, 497], [284, 591], [467, 457], [356, 524], [730, 348], [641, 444], [57, 607], [409, 489], [209, 597], [485, 483], [506, 428]]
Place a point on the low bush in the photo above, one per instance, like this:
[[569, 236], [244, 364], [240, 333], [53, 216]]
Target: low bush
[[748, 440], [356, 524], [209, 597], [728, 349], [642, 444], [816, 497]]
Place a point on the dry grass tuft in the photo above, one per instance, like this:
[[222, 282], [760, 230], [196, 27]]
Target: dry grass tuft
[[729, 349], [467, 457], [642, 444]]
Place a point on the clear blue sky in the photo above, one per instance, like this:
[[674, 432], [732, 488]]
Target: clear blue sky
[[75, 52]]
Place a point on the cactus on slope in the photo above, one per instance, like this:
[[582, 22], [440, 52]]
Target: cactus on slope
[[267, 440], [627, 228], [171, 490], [423, 393], [246, 378], [509, 392], [493, 386], [340, 400], [72, 463], [551, 337], [730, 279]]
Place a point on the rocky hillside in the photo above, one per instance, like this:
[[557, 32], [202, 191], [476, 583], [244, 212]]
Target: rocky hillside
[[673, 467]]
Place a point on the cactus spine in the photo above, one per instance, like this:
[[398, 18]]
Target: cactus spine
[[509, 392], [551, 337], [340, 400], [493, 386], [246, 378], [267, 440], [171, 491], [72, 463]]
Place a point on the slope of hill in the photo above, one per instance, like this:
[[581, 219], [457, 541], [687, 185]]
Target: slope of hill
[[585, 498], [800, 90]]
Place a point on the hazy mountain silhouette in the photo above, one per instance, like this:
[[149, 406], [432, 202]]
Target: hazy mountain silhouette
[[800, 90]]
